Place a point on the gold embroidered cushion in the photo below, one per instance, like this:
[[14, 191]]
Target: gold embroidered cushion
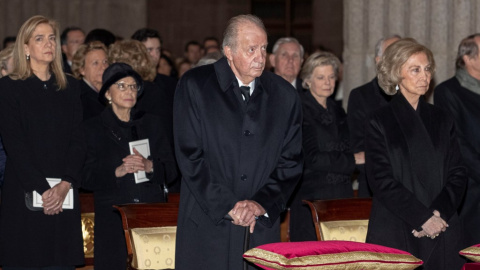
[[153, 248], [330, 255], [348, 230], [472, 253]]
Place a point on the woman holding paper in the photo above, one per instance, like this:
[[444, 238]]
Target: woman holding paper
[[119, 165], [39, 110]]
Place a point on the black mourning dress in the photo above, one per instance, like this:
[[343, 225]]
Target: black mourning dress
[[36, 124], [329, 163]]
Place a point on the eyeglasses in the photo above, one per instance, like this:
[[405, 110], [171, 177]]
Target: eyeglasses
[[123, 86]]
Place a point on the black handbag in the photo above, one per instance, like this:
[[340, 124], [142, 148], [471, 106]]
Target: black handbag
[[29, 202]]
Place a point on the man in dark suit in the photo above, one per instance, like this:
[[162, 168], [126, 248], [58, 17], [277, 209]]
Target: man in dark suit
[[153, 42], [286, 59], [71, 38], [238, 145], [460, 95], [363, 101], [166, 84]]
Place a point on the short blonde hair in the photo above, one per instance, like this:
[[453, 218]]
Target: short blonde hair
[[316, 60], [389, 68], [134, 53], [5, 55], [22, 69], [78, 61]]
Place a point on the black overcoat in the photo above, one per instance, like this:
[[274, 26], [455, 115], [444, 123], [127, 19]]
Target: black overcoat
[[329, 163], [464, 106], [90, 103], [362, 101], [414, 167], [36, 124], [227, 152], [99, 146]]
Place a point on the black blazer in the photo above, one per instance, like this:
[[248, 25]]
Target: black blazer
[[90, 103], [414, 167], [361, 103], [228, 151], [328, 159]]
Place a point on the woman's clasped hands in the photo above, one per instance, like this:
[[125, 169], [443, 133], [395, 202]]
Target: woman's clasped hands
[[433, 227], [133, 164]]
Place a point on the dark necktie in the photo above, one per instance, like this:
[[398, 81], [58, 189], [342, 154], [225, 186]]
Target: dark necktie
[[245, 93]]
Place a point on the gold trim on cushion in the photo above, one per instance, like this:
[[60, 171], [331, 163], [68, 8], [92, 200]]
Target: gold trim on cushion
[[347, 230], [337, 261], [472, 253], [153, 247], [88, 222]]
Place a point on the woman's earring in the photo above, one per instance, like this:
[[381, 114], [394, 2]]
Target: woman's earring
[[109, 101], [397, 88], [28, 57]]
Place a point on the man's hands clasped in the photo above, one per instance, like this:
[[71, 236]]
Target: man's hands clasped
[[245, 213]]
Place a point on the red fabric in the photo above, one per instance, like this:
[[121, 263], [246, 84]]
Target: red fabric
[[471, 266], [300, 249], [291, 250]]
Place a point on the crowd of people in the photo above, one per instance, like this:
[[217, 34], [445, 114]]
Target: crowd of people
[[241, 144]]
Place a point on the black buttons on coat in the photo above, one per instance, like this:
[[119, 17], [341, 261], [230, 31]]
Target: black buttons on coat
[[243, 177], [247, 133]]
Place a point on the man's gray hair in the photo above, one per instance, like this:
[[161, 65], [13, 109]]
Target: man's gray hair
[[379, 45], [467, 47], [230, 35], [284, 40]]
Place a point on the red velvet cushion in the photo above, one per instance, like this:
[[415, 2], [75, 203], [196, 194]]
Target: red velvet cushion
[[473, 253], [471, 266], [330, 255]]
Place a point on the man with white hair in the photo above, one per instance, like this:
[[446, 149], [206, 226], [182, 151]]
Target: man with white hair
[[287, 59], [238, 142], [363, 101]]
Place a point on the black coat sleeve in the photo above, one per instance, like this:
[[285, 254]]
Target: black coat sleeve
[[273, 196], [449, 199], [391, 193], [214, 198], [444, 99], [15, 140], [356, 121]]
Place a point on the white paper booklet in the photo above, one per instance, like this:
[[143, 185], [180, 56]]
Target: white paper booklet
[[67, 203], [143, 147]]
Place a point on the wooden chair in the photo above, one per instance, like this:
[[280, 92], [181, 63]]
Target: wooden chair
[[152, 223], [341, 219]]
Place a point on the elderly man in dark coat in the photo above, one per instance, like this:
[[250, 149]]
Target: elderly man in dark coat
[[286, 59], [239, 151], [460, 96], [362, 102]]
